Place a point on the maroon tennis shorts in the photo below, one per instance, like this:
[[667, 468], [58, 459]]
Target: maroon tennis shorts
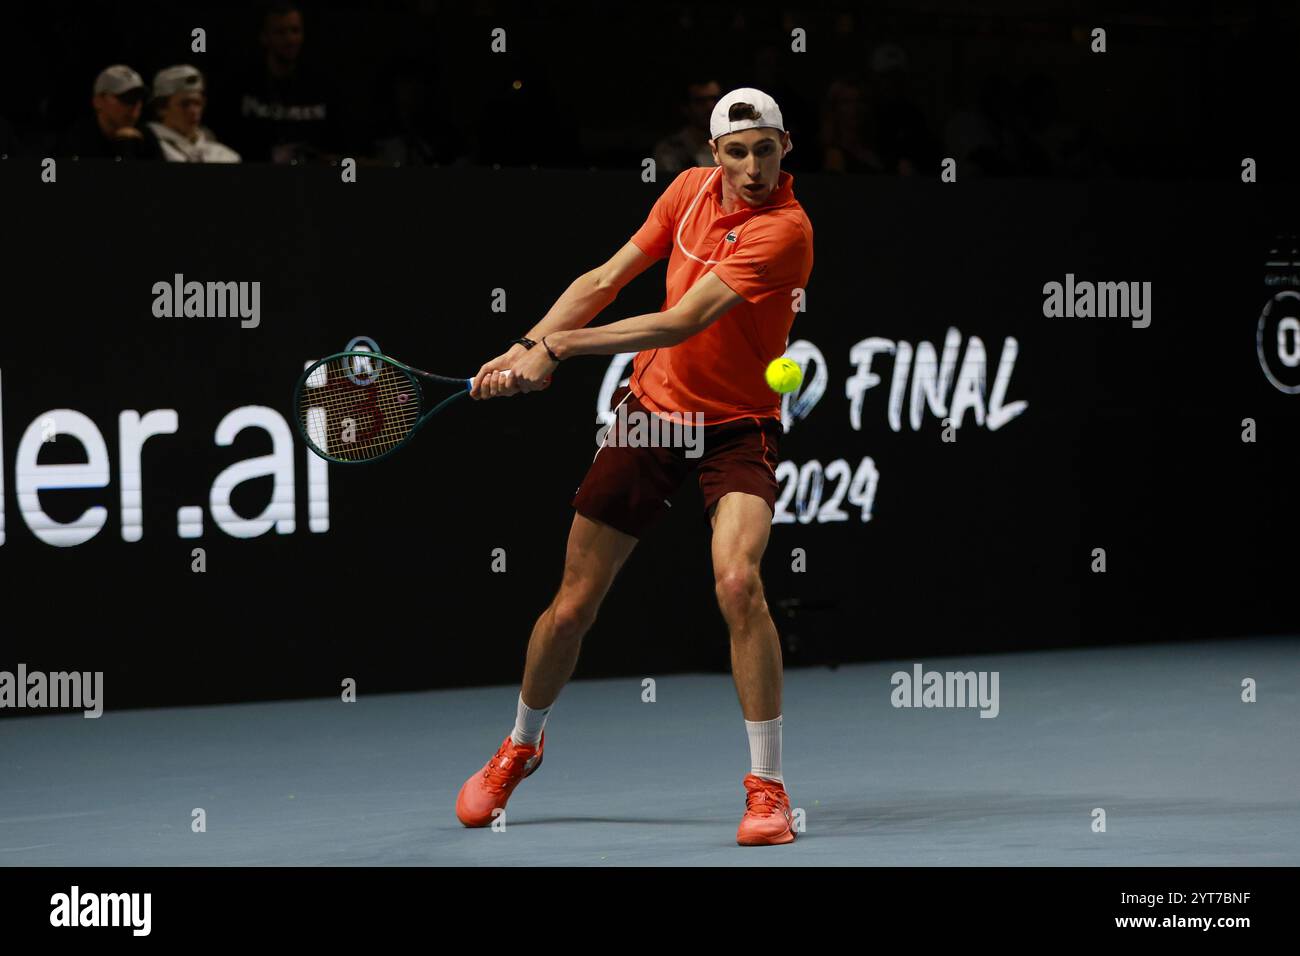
[[630, 482]]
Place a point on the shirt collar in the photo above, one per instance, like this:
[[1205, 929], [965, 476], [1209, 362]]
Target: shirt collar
[[180, 139]]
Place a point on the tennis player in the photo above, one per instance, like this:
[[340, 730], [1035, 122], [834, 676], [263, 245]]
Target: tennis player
[[740, 250]]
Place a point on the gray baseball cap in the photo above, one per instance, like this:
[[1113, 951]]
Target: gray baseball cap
[[117, 80], [176, 79]]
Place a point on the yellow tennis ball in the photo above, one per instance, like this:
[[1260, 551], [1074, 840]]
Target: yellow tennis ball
[[783, 375]]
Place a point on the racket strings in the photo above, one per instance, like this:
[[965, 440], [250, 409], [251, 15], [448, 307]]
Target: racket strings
[[354, 411]]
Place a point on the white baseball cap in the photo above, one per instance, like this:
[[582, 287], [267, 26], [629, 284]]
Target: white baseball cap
[[117, 80], [769, 114], [175, 79]]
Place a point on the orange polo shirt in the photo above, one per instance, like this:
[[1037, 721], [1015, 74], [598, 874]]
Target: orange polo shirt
[[762, 254]]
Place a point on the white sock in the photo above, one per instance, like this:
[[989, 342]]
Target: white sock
[[765, 748], [528, 724]]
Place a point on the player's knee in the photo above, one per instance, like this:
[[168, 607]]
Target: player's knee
[[739, 590], [572, 616]]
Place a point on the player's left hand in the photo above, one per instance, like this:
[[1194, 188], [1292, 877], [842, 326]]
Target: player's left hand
[[494, 377], [532, 372]]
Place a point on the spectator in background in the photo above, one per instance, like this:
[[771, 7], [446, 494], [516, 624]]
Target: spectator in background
[[1016, 129], [847, 130], [772, 65], [178, 101], [416, 131], [689, 146], [903, 137], [117, 99], [286, 110], [1057, 145], [980, 136]]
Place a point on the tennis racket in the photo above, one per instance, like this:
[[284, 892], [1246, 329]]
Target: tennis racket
[[360, 406]]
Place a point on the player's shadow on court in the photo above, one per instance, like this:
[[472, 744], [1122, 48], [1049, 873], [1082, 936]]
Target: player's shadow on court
[[633, 821], [923, 811]]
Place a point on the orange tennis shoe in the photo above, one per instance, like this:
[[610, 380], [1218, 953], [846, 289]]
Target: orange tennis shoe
[[767, 816], [491, 787]]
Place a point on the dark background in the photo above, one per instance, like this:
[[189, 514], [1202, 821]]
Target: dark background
[[1185, 89], [1131, 440]]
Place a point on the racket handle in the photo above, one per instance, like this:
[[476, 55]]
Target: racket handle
[[469, 382]]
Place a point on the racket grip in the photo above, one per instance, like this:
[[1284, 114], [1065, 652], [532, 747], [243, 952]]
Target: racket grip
[[469, 383]]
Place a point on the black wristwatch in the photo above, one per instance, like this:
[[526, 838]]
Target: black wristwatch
[[524, 341]]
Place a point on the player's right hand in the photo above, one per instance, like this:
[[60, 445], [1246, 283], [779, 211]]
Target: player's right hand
[[494, 379]]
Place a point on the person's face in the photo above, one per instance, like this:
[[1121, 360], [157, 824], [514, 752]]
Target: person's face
[[700, 100], [282, 36], [847, 105], [751, 161], [116, 112], [184, 112]]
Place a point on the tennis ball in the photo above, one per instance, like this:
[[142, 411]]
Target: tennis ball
[[783, 375]]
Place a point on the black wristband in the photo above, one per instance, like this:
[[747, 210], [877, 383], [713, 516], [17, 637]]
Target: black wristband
[[554, 357], [524, 341]]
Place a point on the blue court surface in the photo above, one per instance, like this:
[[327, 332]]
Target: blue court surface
[[1157, 736]]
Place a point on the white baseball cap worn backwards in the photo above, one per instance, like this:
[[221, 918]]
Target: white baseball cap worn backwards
[[769, 114]]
